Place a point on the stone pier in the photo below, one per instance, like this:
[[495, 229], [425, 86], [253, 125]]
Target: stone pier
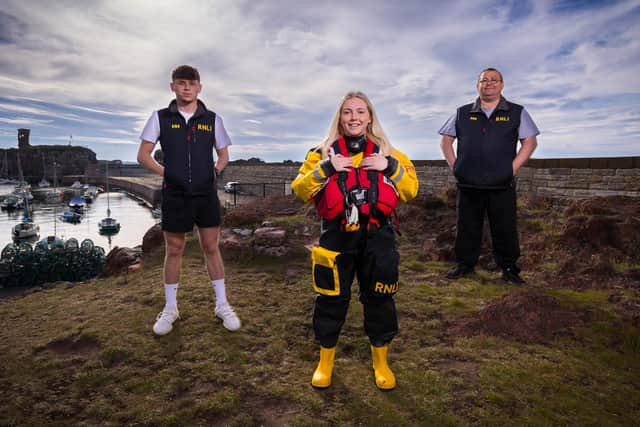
[[148, 187]]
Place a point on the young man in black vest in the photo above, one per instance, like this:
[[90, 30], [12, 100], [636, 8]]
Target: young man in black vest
[[485, 165], [188, 133]]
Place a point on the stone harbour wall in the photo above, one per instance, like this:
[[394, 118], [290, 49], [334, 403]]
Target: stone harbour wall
[[555, 178]]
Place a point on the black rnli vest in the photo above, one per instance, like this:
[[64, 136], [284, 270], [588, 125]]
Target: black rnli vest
[[187, 150], [486, 146]]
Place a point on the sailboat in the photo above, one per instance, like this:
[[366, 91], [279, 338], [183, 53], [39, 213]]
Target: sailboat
[[26, 229], [53, 196], [43, 182], [108, 225]]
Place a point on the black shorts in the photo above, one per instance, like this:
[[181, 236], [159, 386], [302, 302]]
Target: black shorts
[[180, 213]]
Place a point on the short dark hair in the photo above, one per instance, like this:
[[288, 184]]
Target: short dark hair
[[491, 69], [185, 72]]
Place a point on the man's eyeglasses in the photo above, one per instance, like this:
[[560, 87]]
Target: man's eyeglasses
[[485, 81]]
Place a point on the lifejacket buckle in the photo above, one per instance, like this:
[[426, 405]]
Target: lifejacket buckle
[[359, 196], [351, 227]]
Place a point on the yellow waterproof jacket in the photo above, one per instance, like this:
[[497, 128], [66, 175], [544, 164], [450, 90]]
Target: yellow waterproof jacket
[[311, 176]]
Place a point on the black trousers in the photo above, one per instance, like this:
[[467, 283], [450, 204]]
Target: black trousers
[[500, 206], [372, 257]]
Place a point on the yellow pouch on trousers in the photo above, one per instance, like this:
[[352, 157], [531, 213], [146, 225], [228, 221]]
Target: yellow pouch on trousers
[[326, 279]]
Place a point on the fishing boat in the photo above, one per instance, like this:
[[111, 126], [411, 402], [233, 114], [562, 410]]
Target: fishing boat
[[90, 193], [77, 203], [108, 225], [71, 216], [26, 229], [11, 202], [23, 191]]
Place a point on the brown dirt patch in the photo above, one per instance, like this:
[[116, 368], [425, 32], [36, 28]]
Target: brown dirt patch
[[76, 345], [603, 224], [527, 316]]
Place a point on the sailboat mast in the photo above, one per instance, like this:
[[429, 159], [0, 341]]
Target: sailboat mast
[[20, 175], [107, 185]]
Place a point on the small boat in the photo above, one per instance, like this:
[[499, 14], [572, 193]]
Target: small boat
[[11, 202], [44, 183], [23, 191], [77, 203], [53, 196], [77, 185], [26, 229], [90, 194], [71, 216], [108, 225]]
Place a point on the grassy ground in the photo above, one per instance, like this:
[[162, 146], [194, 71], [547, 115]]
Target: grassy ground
[[85, 354]]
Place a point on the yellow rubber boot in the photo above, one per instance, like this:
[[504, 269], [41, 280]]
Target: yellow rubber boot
[[385, 380], [322, 375]]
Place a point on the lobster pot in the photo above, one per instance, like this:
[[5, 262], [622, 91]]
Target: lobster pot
[[50, 260]]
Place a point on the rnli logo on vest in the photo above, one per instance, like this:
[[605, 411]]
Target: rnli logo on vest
[[502, 119], [206, 128], [474, 118], [175, 125]]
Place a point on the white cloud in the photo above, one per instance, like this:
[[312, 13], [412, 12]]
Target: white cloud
[[277, 68]]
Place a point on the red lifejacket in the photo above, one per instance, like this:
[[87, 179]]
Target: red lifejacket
[[369, 190]]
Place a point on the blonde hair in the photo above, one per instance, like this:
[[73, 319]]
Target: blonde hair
[[374, 131]]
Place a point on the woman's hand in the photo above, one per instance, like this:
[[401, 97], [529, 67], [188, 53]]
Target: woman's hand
[[376, 161], [341, 163]]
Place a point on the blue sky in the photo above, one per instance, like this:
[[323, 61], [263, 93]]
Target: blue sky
[[275, 70]]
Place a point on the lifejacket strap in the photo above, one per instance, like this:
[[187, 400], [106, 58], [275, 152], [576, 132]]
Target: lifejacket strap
[[373, 191], [391, 166]]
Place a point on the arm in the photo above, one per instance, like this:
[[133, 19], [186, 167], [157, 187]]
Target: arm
[[223, 159], [146, 159], [526, 149], [446, 145], [402, 173], [312, 175]]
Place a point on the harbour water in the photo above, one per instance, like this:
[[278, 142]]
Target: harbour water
[[135, 219]]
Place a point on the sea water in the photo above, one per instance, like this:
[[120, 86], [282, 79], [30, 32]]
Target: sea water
[[135, 220]]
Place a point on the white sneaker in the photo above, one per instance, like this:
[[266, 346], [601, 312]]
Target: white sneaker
[[164, 321], [229, 317]]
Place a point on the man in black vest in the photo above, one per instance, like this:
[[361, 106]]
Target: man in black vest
[[189, 133], [485, 165]]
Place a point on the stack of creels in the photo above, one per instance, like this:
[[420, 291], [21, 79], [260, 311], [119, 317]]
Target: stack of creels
[[50, 260]]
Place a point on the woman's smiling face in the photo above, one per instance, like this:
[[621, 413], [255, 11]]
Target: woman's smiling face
[[354, 117]]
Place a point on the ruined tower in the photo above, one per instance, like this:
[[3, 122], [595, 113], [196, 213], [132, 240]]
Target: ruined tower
[[23, 137]]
